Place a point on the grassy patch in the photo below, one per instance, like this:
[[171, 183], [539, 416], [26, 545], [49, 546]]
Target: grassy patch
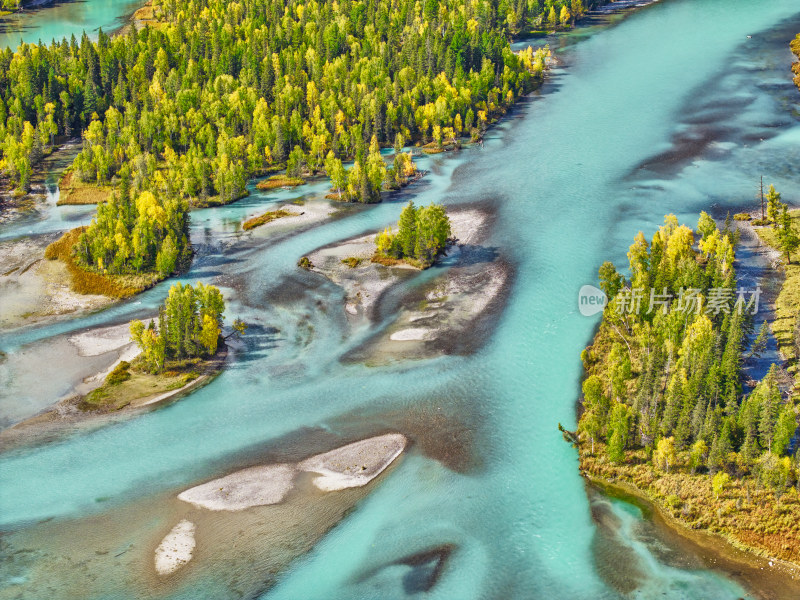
[[279, 181], [128, 383], [83, 281], [74, 191], [389, 261], [742, 217], [215, 201], [352, 261], [267, 217], [787, 304]]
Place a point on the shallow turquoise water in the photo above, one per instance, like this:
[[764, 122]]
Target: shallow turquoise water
[[565, 175], [64, 19]]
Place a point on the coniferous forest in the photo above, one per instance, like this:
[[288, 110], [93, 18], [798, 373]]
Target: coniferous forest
[[210, 94], [667, 404]]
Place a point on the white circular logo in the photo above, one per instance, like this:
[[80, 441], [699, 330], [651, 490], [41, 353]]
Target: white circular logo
[[591, 300]]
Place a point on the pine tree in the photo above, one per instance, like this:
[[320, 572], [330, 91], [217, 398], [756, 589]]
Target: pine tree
[[407, 229]]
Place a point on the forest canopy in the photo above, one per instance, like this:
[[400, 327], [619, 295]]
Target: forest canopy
[[664, 372], [217, 92]]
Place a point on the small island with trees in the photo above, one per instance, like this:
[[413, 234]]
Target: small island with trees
[[665, 412], [422, 234]]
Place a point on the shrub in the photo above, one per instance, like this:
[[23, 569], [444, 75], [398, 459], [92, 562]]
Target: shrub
[[352, 261], [742, 217], [305, 263], [267, 217], [119, 374]]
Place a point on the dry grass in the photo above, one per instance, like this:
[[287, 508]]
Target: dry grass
[[267, 217], [279, 181], [74, 191], [748, 515], [389, 261], [795, 46], [90, 282], [215, 201], [352, 261]]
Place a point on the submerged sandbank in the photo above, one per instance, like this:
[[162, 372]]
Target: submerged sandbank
[[349, 466]]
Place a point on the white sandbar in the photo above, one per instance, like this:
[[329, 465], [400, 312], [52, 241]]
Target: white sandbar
[[355, 464], [256, 486], [176, 549]]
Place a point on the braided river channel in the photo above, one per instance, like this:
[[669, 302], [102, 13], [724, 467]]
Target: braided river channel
[[676, 107]]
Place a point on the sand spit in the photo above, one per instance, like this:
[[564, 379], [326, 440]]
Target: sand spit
[[449, 315], [66, 416], [256, 486], [34, 290], [356, 464], [353, 465], [176, 549], [311, 212]]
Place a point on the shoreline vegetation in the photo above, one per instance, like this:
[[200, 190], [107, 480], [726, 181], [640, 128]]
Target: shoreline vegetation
[[664, 413], [84, 281]]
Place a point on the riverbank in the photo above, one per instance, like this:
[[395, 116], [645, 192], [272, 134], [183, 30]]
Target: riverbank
[[767, 579], [785, 324], [682, 456]]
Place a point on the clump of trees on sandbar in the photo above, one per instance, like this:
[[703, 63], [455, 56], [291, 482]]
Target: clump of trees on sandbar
[[189, 326], [422, 234]]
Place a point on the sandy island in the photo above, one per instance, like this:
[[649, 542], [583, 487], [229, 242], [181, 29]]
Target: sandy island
[[176, 549], [349, 466], [445, 315], [353, 465]]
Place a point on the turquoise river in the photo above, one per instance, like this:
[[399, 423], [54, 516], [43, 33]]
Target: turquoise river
[[672, 109]]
